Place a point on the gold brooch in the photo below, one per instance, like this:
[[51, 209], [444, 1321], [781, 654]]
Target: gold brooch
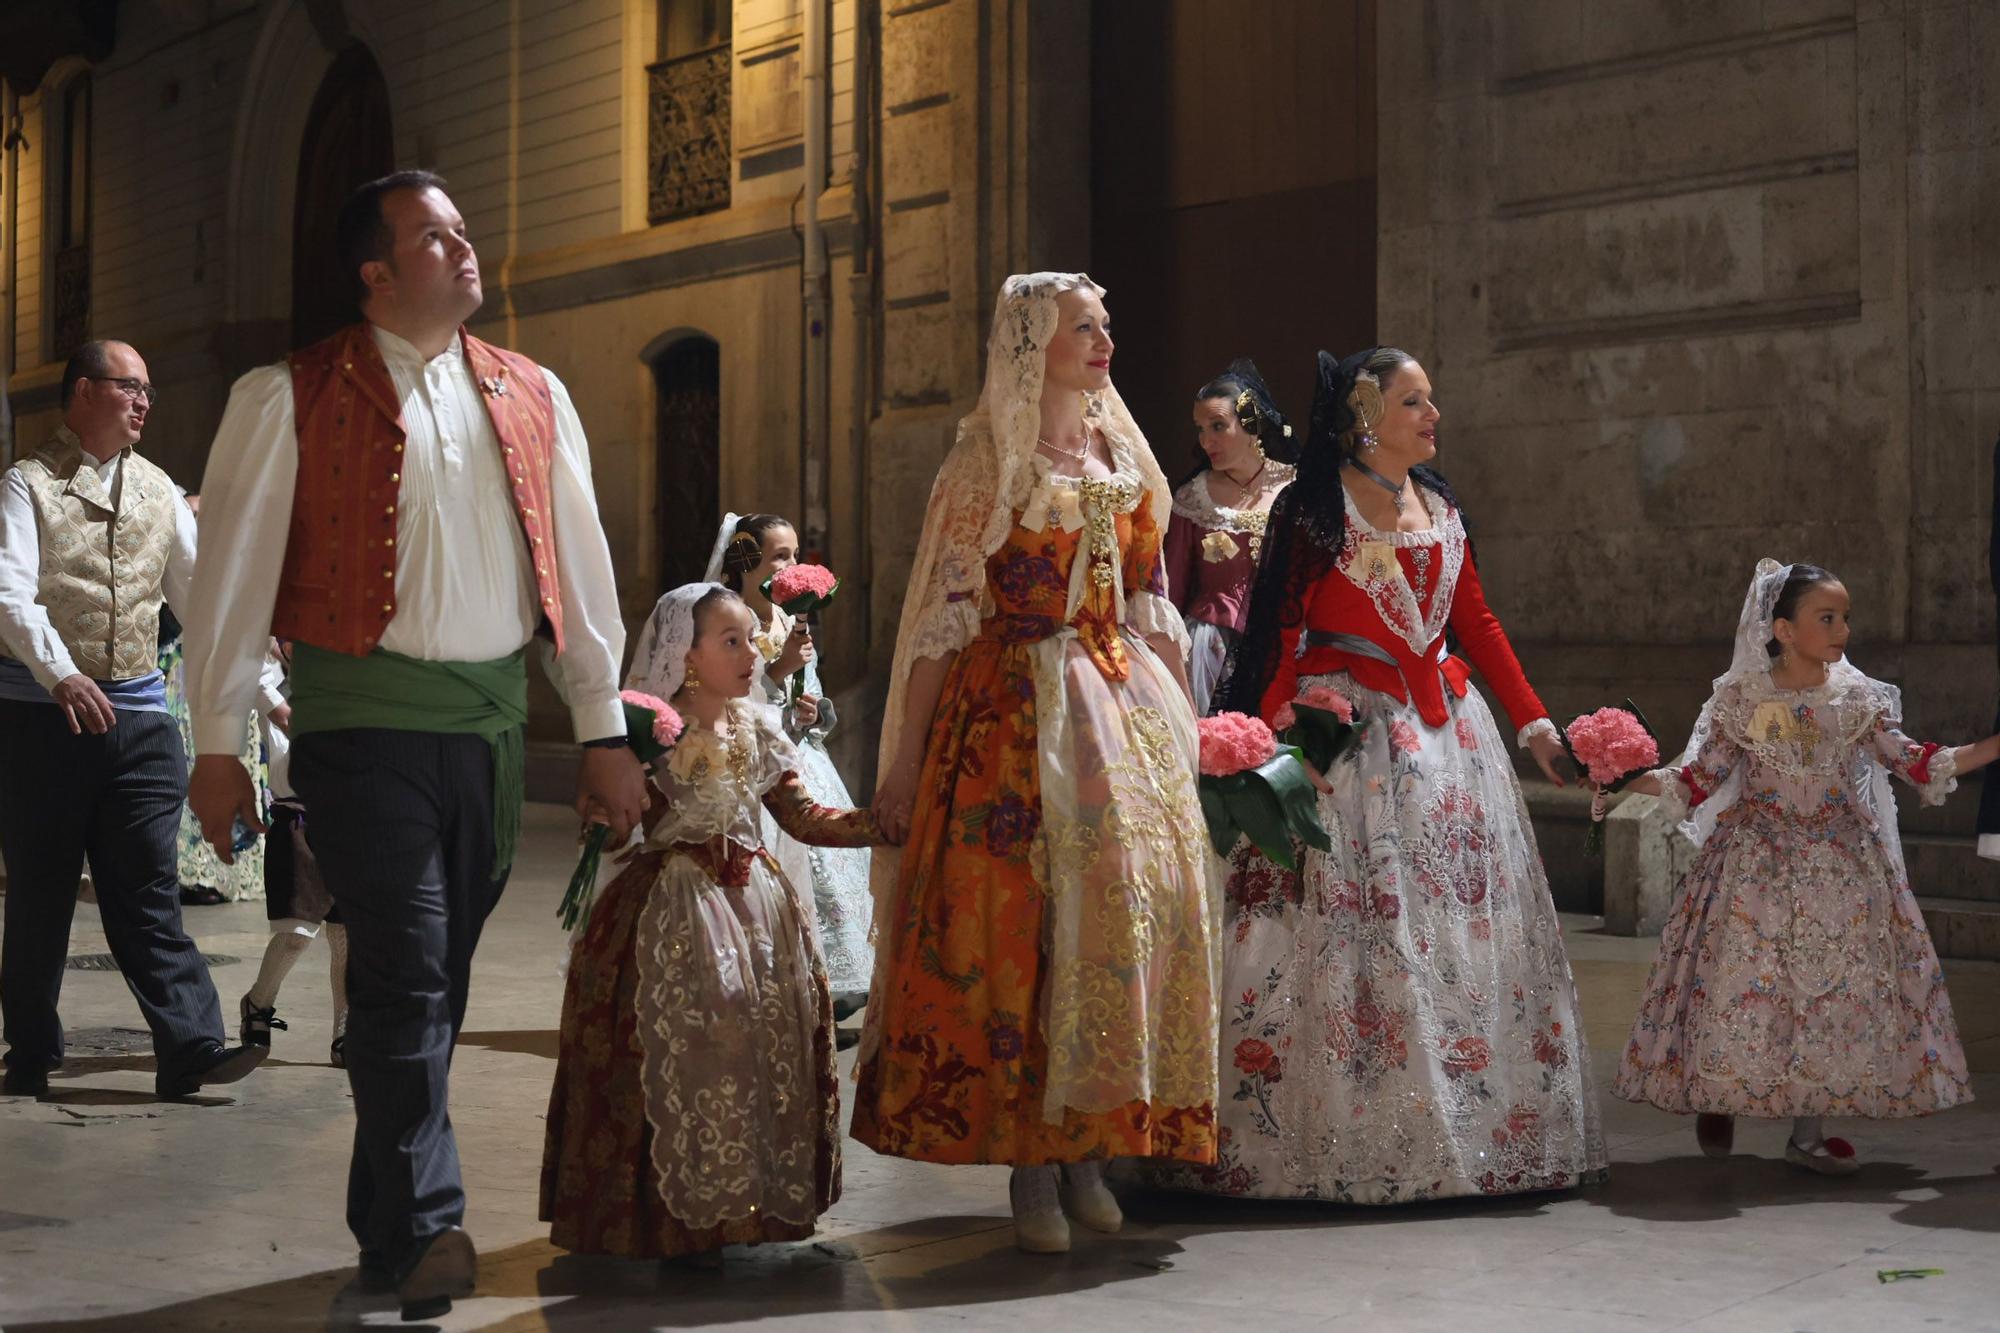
[[494, 386]]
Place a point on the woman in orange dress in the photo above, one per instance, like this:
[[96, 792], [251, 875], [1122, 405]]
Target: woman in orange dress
[[1044, 991]]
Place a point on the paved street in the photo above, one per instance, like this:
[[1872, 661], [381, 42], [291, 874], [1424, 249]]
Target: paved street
[[120, 1212]]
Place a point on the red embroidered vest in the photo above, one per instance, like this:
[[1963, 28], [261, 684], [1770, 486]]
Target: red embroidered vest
[[338, 588]]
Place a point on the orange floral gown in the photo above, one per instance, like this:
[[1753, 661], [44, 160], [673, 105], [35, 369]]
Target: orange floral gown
[[976, 1024]]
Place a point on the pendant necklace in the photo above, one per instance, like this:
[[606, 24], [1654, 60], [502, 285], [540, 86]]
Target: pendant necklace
[[1394, 488], [1244, 486]]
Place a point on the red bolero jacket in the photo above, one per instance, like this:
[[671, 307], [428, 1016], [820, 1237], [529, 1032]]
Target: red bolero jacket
[[1358, 597]]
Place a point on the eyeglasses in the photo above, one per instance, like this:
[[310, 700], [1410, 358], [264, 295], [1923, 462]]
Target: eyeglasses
[[135, 390]]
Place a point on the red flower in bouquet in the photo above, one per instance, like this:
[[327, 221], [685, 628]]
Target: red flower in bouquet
[[1328, 701], [1233, 742], [1320, 723], [1612, 744], [1251, 785], [802, 588], [666, 724]]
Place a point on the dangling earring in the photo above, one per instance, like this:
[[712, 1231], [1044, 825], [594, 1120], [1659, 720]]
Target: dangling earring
[[1368, 440], [692, 680]]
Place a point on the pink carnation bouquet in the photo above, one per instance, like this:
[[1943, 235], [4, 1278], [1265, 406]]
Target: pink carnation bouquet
[[1612, 746], [651, 728], [1251, 786], [1320, 723], [802, 590]]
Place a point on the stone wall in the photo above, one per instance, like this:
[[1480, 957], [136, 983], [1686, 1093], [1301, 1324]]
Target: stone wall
[[535, 112], [1696, 284], [984, 165]]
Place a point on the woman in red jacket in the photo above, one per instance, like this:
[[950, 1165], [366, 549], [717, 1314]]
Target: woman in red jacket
[[1399, 1019]]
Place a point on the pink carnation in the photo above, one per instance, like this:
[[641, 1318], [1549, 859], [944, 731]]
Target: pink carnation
[[666, 722], [1233, 742], [815, 581], [1328, 701], [1610, 743], [1318, 697]]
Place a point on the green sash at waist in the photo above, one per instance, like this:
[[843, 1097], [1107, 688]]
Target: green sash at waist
[[336, 692]]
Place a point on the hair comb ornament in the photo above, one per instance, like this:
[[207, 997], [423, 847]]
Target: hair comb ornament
[[1366, 400]]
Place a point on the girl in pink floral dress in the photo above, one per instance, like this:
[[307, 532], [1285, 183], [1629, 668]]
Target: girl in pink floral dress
[[1795, 977]]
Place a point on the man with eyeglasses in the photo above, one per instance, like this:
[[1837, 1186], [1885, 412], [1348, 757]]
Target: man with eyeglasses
[[93, 538]]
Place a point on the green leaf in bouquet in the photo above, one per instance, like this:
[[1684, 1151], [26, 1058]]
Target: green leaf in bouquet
[[1320, 735], [639, 733], [575, 906], [1257, 810], [1222, 828], [1284, 775]]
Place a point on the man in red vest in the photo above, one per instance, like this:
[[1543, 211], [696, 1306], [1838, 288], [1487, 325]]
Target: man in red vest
[[409, 506]]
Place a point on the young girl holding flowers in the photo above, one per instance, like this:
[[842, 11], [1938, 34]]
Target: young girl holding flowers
[[750, 550], [1795, 977], [695, 1102]]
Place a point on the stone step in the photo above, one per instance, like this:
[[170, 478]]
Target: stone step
[[1949, 867], [1963, 930]]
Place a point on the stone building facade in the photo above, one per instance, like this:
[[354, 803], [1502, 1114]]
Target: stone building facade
[[1697, 282]]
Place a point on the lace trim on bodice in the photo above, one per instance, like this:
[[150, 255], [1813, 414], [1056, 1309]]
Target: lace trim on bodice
[[1370, 560], [1801, 734], [1196, 503], [1091, 505]]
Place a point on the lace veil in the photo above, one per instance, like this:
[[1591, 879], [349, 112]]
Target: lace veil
[[1750, 664], [659, 664], [723, 536], [984, 479]]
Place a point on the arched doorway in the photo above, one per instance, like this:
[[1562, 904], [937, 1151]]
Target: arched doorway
[[347, 143], [687, 384]]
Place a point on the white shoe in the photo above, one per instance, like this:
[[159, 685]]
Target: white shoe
[[1085, 1197], [1039, 1226], [1828, 1157]]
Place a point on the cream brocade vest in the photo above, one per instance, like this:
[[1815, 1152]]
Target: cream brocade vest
[[102, 567]]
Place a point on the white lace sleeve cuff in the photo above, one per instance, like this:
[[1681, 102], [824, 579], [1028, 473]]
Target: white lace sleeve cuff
[[1943, 779], [1149, 613], [1541, 726], [946, 628], [1673, 793]]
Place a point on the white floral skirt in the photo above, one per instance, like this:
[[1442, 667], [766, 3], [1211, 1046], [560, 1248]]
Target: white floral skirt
[[1399, 1021], [837, 876]]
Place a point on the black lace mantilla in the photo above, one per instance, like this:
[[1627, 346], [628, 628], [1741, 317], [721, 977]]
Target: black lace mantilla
[[1304, 537]]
